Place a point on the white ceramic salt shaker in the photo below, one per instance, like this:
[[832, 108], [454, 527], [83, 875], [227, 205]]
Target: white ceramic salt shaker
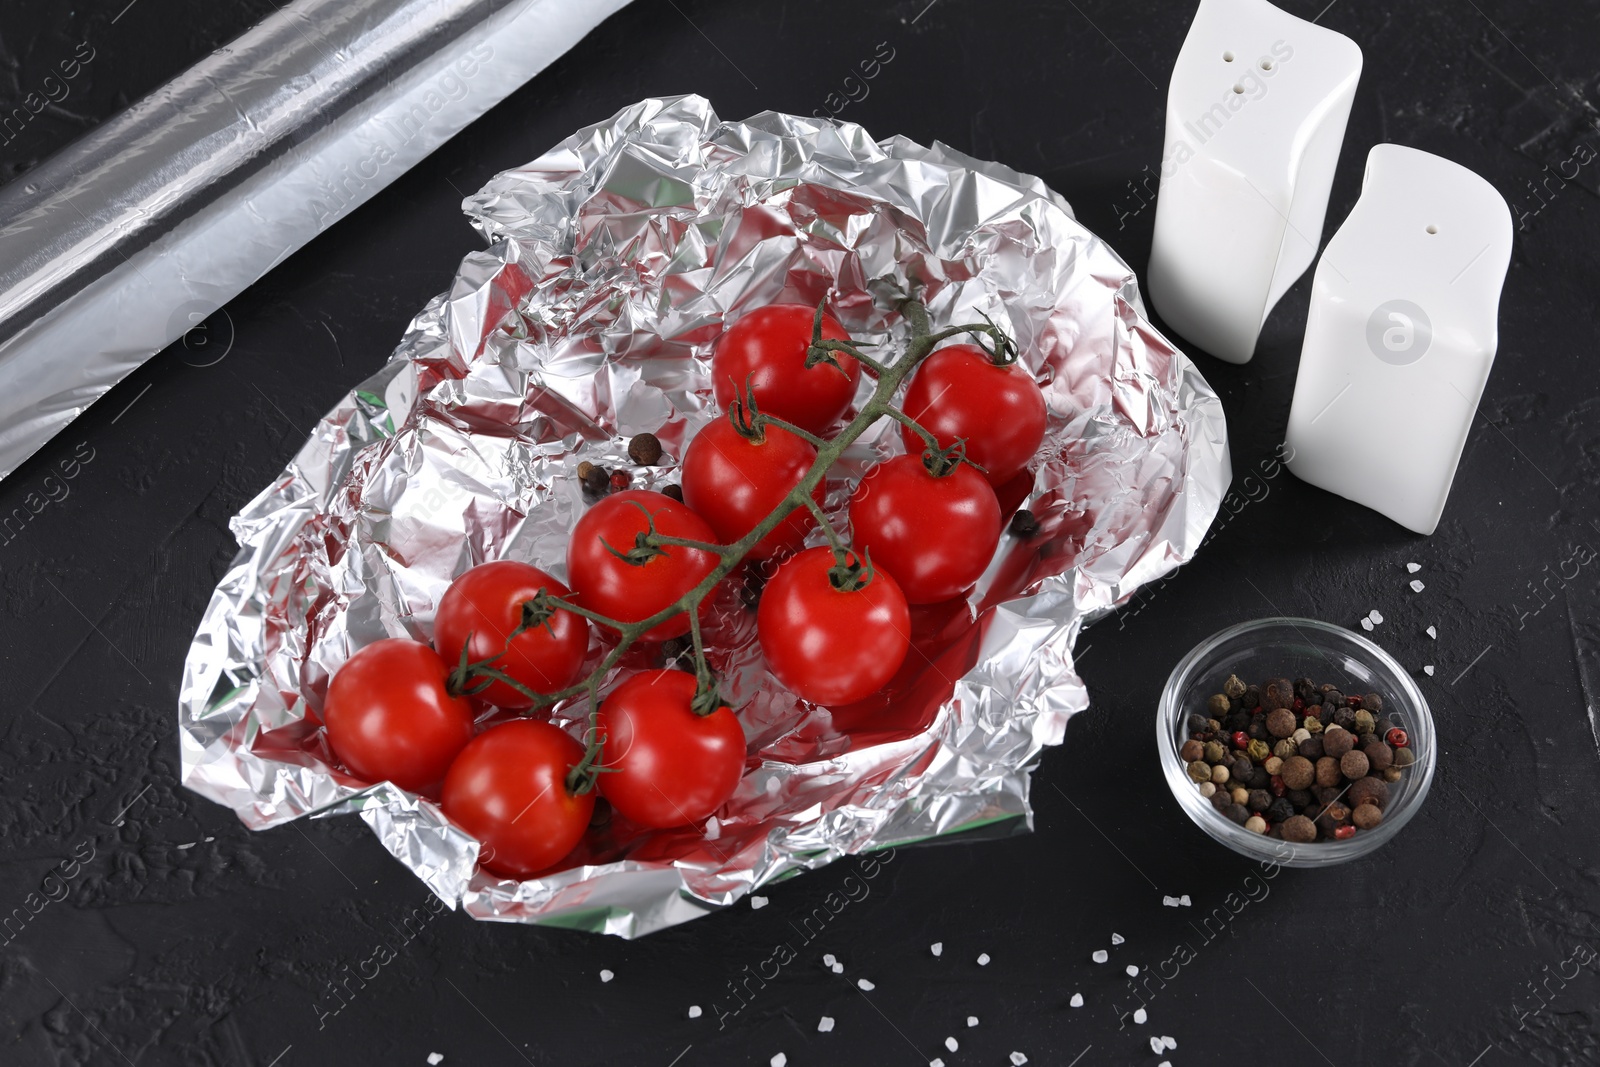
[[1401, 335], [1256, 113]]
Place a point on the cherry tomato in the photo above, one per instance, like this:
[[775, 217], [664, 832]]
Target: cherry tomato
[[485, 604], [828, 645], [768, 348], [734, 483], [666, 765], [630, 592], [390, 717], [959, 392], [934, 535], [508, 789]]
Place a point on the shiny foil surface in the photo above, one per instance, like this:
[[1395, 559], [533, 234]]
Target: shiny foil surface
[[614, 261]]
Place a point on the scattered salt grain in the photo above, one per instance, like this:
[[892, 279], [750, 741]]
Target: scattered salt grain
[[1366, 624], [779, 1060], [983, 959], [828, 959], [838, 968], [936, 1062], [1018, 1059], [1101, 955], [951, 1043], [1164, 1063], [824, 1025], [1428, 670], [757, 903], [1417, 586], [694, 1011], [866, 985], [1133, 972], [1413, 568], [713, 829], [606, 976], [1184, 900], [434, 1059], [1376, 616], [937, 948], [1433, 632], [1117, 939], [1171, 902], [1140, 1015], [1169, 1043], [1077, 1000], [972, 1020], [1156, 1046], [773, 785]]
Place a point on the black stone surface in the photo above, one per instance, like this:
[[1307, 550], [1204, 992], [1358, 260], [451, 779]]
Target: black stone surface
[[182, 938]]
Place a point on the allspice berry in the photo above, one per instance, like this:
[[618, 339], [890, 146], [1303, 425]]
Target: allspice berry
[[674, 491], [1367, 816], [1298, 772], [1373, 703], [1368, 790], [583, 470], [1278, 693], [645, 449], [1327, 771], [1336, 742], [1192, 750], [1353, 764], [597, 480], [1299, 830], [1280, 723], [1379, 755], [1218, 705]]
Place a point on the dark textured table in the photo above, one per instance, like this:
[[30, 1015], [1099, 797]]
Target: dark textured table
[[146, 925]]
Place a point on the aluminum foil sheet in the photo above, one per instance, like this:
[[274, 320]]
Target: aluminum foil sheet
[[613, 262]]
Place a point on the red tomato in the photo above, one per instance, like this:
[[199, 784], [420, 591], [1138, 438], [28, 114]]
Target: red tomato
[[832, 646], [734, 483], [958, 392], [631, 592], [768, 348], [665, 765], [485, 605], [508, 789], [934, 535], [390, 717]]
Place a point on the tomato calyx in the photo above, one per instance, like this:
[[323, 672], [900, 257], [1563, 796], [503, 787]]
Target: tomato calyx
[[995, 341], [470, 677], [821, 350], [940, 462], [650, 543], [850, 572]]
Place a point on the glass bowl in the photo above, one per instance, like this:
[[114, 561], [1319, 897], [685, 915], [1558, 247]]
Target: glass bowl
[[1295, 648]]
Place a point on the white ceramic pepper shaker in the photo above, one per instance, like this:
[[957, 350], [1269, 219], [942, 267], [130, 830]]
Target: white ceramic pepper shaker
[[1401, 335], [1256, 113]]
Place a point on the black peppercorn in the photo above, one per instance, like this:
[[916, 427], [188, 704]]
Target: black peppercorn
[[1251, 697], [1280, 809], [644, 449], [1196, 724], [1241, 767], [1260, 800], [674, 491], [1373, 703], [1237, 720], [597, 481], [1238, 813], [1257, 730], [1345, 717], [1299, 798], [1024, 524], [1260, 779], [1303, 689], [1311, 748]]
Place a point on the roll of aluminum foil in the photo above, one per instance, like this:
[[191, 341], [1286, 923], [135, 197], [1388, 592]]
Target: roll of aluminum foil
[[613, 262], [161, 215]]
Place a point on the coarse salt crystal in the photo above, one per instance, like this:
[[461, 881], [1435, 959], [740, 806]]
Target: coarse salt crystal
[[1184, 900], [951, 1043], [1018, 1059], [434, 1059], [779, 1060], [866, 985], [936, 1062], [757, 903], [824, 1025], [694, 1011], [1117, 939], [1376, 617], [1417, 586], [1433, 632], [606, 976], [983, 959], [972, 1020], [713, 829], [1156, 1046], [828, 959], [1366, 624], [838, 968], [1077, 1000], [937, 948], [1428, 670], [1413, 567], [1171, 902], [1170, 1043], [1140, 1015], [1133, 972], [1100, 955]]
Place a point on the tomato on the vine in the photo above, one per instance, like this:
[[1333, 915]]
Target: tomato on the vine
[[630, 592], [767, 349], [734, 482], [665, 764], [827, 644], [960, 392], [508, 789], [390, 717], [485, 605], [935, 534]]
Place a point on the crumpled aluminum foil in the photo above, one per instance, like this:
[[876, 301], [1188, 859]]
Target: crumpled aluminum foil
[[614, 260]]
